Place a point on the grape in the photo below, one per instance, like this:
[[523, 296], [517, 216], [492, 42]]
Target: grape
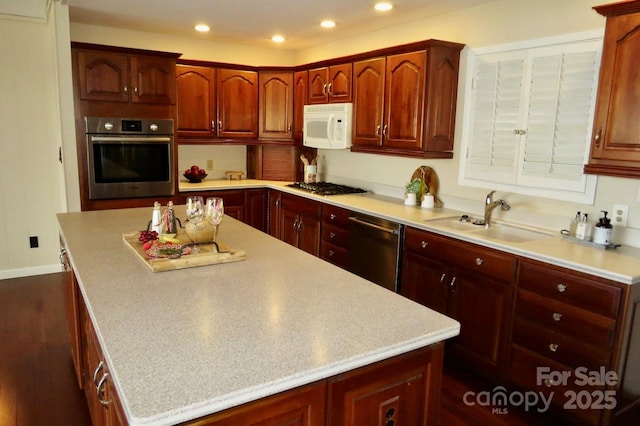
[[147, 236]]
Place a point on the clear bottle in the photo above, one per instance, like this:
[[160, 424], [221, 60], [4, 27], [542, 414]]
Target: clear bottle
[[584, 229], [574, 225], [169, 225]]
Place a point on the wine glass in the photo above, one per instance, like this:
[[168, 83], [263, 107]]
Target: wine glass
[[213, 212], [195, 213]]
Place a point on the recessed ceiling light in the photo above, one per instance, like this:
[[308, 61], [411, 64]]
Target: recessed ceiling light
[[277, 38], [203, 28], [383, 6], [328, 23]]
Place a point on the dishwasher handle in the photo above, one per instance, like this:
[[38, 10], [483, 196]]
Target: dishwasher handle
[[373, 225]]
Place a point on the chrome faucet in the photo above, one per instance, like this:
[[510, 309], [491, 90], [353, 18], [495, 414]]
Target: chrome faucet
[[489, 205]]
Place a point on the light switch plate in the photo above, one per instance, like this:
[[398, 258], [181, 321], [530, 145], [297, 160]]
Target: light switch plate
[[209, 164], [619, 215]]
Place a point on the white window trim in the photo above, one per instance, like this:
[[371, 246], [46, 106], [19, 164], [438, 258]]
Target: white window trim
[[467, 68]]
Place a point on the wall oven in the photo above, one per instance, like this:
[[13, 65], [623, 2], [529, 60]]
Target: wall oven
[[129, 158]]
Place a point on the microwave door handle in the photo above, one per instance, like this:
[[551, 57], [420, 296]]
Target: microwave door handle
[[330, 129]]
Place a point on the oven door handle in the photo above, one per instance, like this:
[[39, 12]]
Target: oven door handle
[[130, 139], [373, 225]]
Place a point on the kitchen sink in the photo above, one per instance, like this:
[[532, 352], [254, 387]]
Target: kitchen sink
[[498, 231]]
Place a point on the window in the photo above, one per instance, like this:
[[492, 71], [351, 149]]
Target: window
[[529, 115]]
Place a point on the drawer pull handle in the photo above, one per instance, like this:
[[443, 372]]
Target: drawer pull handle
[[332, 216], [479, 261], [553, 347], [331, 253], [100, 390], [424, 244], [442, 278], [453, 285], [557, 316], [332, 235], [95, 373], [562, 288]]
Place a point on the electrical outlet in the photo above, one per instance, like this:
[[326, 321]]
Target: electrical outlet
[[620, 215], [209, 164]]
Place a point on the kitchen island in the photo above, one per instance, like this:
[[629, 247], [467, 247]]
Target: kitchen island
[[186, 344]]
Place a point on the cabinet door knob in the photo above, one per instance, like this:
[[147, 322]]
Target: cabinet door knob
[[219, 124], [331, 253], [126, 89], [377, 130], [553, 347], [332, 235], [332, 216], [596, 138], [561, 288], [424, 244], [452, 285], [213, 125], [479, 261], [442, 278], [557, 316]]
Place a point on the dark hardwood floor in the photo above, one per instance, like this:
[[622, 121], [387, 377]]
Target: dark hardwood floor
[[37, 382]]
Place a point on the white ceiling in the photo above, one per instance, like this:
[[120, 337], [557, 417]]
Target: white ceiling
[[254, 22]]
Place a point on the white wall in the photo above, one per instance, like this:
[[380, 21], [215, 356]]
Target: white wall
[[31, 178]]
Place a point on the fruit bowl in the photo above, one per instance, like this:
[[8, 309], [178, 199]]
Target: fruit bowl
[[195, 178]]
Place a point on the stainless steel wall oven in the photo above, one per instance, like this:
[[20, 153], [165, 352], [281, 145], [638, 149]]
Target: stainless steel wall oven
[[129, 158]]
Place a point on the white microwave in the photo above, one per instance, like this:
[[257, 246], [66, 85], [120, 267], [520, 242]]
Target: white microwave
[[327, 126]]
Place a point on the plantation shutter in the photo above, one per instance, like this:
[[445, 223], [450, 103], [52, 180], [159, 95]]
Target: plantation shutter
[[531, 114], [497, 105], [561, 98]]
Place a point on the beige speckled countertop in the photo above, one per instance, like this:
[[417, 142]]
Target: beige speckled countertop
[[622, 265], [183, 344]]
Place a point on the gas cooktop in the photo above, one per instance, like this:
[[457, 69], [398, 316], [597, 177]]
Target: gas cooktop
[[326, 188]]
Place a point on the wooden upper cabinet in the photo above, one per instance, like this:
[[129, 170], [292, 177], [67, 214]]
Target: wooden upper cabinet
[[116, 77], [237, 103], [330, 84], [196, 106], [389, 102], [103, 76], [615, 147], [368, 101], [404, 104], [300, 90], [276, 105], [404, 100]]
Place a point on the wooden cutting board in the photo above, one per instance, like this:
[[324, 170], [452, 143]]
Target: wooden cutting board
[[207, 254]]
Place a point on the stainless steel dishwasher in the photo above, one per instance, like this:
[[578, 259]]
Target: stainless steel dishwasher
[[374, 249]]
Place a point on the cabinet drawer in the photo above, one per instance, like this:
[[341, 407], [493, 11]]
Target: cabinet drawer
[[563, 318], [335, 254], [523, 371], [559, 347], [570, 288], [426, 244], [301, 206], [335, 215], [339, 236], [485, 261]]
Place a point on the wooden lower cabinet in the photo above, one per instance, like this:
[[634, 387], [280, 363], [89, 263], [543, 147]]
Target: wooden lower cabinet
[[469, 283], [300, 223], [404, 390], [334, 243]]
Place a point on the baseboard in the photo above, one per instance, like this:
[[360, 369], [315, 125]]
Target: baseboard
[[27, 272]]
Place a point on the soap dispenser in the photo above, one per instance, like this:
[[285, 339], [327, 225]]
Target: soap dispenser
[[603, 230]]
